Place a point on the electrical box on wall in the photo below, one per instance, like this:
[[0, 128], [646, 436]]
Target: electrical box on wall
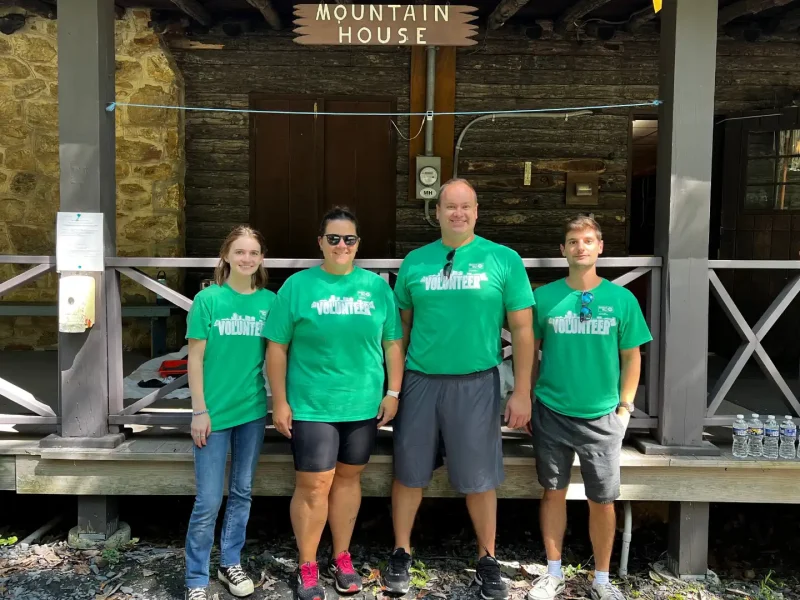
[[429, 177], [583, 189]]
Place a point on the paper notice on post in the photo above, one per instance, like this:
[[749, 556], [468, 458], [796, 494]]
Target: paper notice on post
[[79, 242]]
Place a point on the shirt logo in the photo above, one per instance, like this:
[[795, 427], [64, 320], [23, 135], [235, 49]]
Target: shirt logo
[[239, 325], [571, 324], [343, 306], [458, 280]]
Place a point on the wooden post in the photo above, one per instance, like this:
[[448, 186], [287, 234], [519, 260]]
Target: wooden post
[[683, 204], [87, 160], [688, 539]]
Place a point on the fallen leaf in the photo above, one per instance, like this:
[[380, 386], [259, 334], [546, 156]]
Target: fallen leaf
[[520, 583], [147, 573], [656, 577]]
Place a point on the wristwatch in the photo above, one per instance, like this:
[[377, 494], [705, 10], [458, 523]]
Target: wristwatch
[[392, 393], [627, 406]]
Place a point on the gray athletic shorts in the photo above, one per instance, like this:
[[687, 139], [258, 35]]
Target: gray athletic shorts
[[455, 415], [597, 442]]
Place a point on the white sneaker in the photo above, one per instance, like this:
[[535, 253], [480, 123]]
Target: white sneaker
[[239, 584], [546, 587], [606, 591]]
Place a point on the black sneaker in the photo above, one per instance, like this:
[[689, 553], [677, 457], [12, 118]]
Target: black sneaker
[[239, 584], [308, 586], [397, 577], [487, 575], [196, 594], [345, 578]]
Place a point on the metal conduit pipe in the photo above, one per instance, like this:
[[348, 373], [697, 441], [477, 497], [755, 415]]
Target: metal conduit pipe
[[493, 116], [626, 539], [430, 97]]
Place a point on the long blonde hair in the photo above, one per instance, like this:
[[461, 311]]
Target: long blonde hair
[[223, 269]]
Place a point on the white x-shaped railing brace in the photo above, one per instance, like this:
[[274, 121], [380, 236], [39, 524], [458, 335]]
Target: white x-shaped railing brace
[[752, 342]]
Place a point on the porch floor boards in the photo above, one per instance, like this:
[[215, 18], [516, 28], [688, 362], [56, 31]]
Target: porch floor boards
[[161, 464]]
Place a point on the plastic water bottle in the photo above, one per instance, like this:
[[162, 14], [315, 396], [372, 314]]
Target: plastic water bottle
[[740, 437], [755, 447], [771, 438], [788, 436]]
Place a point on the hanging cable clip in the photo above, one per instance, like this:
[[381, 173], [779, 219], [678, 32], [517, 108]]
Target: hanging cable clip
[[429, 115]]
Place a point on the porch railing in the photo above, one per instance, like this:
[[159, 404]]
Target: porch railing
[[142, 412], [42, 413], [752, 337]]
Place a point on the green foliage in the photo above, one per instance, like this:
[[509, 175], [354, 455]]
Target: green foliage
[[419, 574], [9, 541], [111, 556]]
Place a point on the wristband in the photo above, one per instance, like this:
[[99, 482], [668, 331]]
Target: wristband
[[392, 393], [199, 412]]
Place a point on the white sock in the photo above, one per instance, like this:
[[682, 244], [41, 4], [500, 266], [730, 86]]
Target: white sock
[[601, 577], [554, 568]]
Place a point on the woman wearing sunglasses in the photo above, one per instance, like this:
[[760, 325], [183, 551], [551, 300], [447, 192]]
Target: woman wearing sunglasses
[[328, 332]]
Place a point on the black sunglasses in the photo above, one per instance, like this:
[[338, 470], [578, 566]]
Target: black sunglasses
[[448, 267], [333, 239], [586, 312]]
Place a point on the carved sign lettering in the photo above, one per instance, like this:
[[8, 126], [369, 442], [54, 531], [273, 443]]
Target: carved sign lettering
[[384, 24]]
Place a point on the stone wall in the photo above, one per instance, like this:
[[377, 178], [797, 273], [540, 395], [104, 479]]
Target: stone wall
[[149, 169]]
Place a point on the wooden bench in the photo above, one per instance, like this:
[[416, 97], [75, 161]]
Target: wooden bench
[[157, 313]]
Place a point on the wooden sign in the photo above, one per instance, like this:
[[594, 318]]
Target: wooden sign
[[385, 24]]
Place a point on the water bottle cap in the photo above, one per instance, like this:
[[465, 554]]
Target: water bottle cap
[[740, 416], [755, 415], [770, 416], [787, 417]]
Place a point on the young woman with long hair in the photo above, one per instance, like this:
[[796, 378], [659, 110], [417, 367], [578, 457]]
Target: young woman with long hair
[[329, 332], [229, 406]]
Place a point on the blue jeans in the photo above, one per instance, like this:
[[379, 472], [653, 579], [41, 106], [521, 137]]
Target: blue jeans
[[245, 442]]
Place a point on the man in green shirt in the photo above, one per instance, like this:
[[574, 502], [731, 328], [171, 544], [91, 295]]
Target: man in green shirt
[[590, 331], [454, 296]]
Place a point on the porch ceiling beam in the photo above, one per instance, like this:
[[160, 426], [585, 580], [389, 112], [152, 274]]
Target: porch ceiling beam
[[268, 12], [569, 18], [37, 7], [195, 10], [640, 18], [790, 21], [504, 11], [746, 7]]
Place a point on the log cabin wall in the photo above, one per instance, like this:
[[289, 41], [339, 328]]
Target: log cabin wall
[[222, 71], [504, 71]]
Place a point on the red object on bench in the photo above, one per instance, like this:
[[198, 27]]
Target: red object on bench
[[173, 368]]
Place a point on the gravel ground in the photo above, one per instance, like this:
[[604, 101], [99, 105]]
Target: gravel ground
[[748, 558]]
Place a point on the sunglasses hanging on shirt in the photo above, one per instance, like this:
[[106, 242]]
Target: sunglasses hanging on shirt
[[448, 267]]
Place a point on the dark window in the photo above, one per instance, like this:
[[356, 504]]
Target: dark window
[[772, 179]]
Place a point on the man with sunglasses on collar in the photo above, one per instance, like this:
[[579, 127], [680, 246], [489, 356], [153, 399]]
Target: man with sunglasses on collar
[[454, 296], [590, 330]]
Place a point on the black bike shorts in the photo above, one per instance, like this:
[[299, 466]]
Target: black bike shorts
[[318, 446]]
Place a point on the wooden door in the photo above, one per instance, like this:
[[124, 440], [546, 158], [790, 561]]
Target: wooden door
[[760, 218], [286, 175], [302, 165], [360, 170]]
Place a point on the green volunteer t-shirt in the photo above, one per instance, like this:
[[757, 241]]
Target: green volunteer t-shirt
[[458, 319], [335, 326], [233, 363], [579, 375]]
